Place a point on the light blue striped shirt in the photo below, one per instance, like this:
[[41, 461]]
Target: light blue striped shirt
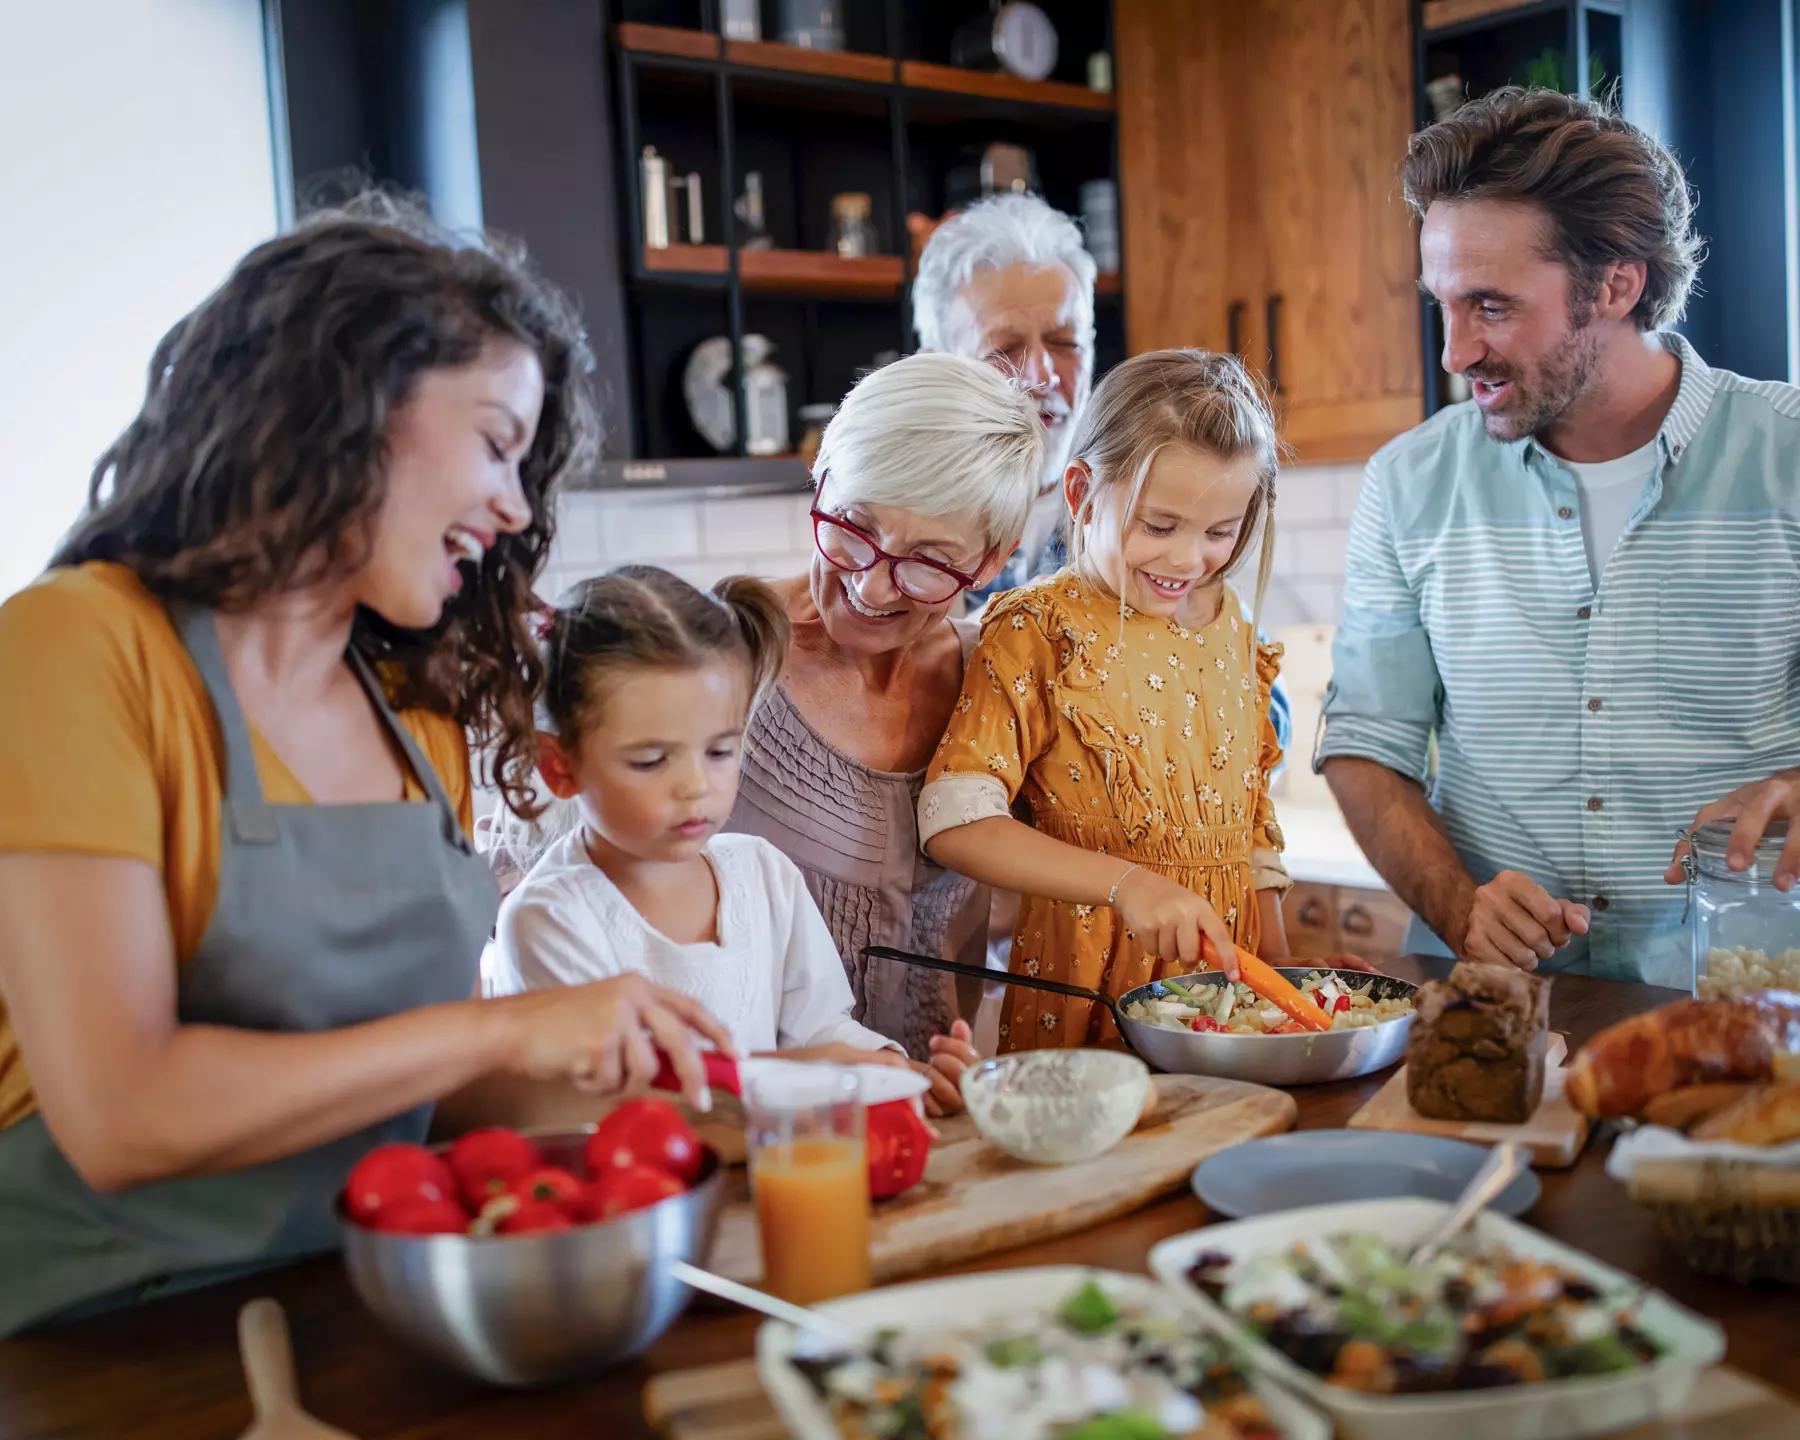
[[1579, 727]]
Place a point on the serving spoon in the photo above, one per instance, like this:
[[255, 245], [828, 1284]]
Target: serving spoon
[[801, 1317], [1504, 1161]]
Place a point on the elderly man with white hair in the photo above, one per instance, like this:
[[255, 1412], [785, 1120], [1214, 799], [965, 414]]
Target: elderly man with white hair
[[1009, 282]]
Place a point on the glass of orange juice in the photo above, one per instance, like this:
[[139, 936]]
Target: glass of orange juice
[[809, 1174]]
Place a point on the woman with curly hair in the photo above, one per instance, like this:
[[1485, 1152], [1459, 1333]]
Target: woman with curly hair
[[243, 914]]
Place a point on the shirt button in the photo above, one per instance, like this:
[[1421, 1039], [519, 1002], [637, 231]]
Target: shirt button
[[1595, 802], [1594, 704], [1601, 902], [1563, 512], [1584, 612]]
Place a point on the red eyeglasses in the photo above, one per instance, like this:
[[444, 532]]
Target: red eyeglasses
[[930, 582]]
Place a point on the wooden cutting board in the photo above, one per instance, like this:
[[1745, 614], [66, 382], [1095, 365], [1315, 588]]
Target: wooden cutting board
[[976, 1199], [1555, 1133], [726, 1402]]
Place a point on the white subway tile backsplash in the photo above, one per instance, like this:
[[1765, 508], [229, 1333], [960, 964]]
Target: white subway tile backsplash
[[1306, 494], [754, 525], [652, 531], [581, 525], [1319, 600], [1286, 559], [1321, 551]]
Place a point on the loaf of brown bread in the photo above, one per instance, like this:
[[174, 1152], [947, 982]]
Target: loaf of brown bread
[[1477, 1047]]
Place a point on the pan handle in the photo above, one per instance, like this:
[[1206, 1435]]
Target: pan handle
[[1007, 977], [975, 972]]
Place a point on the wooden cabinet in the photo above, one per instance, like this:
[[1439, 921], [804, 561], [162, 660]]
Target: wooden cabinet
[[1326, 920], [1260, 144]]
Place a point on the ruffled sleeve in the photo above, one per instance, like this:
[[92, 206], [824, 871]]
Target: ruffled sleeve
[[1002, 723], [1266, 843]]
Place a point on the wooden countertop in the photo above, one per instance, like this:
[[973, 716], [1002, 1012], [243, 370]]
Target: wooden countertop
[[171, 1369]]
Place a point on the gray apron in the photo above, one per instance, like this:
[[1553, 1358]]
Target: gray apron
[[327, 916]]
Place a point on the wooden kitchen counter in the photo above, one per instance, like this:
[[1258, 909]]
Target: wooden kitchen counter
[[171, 1369]]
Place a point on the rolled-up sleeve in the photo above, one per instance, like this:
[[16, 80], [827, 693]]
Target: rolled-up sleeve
[[1385, 695]]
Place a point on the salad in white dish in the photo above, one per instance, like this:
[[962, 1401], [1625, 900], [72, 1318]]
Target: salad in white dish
[[1233, 1008], [1353, 1310], [1097, 1367]]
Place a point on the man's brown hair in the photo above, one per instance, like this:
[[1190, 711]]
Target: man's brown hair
[[1609, 191]]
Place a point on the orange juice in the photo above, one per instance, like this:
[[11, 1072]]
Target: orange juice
[[812, 1207]]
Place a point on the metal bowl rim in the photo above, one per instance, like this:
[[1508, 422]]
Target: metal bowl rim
[[1221, 1037]]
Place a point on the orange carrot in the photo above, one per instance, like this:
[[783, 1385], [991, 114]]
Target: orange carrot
[[1273, 986]]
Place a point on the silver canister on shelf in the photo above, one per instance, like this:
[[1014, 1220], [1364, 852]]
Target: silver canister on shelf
[[852, 233], [1100, 222], [743, 19], [753, 219], [765, 399], [1100, 72], [693, 208], [815, 24], [653, 178]]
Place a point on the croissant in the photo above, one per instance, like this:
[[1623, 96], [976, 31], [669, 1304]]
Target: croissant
[[1768, 1115], [1690, 1042]]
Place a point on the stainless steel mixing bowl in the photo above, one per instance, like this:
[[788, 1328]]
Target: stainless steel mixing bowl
[[1272, 1059], [1263, 1059], [532, 1309]]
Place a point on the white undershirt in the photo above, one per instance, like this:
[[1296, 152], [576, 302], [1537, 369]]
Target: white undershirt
[[1610, 490]]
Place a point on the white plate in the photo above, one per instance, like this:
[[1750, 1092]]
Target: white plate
[[972, 1298], [1554, 1410]]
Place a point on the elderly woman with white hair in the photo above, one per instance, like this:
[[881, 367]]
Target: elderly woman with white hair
[[924, 480], [1009, 282]]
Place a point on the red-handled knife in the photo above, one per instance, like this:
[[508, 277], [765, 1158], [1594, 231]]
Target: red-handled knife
[[721, 1073]]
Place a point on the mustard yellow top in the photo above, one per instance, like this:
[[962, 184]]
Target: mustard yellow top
[[109, 746], [1128, 735]]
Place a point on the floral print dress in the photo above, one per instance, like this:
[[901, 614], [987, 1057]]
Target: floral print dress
[[1121, 733]]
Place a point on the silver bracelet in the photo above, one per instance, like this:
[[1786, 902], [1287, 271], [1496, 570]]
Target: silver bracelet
[[1112, 895]]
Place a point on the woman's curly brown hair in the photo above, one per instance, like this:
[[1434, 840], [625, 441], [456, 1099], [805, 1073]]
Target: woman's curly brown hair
[[257, 464]]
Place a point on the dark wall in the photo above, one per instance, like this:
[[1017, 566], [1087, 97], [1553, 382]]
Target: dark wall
[[543, 117], [373, 87], [1726, 121], [329, 51]]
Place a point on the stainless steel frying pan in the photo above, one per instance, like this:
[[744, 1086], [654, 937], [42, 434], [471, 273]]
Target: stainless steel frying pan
[[1264, 1059]]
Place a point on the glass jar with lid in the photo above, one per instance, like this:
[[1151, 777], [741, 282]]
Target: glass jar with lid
[[1746, 933]]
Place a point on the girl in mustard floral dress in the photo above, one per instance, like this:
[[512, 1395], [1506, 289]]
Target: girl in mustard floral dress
[[1125, 702]]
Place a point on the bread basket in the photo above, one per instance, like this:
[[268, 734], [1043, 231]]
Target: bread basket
[[1735, 1218]]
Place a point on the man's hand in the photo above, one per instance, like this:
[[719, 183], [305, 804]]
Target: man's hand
[[1515, 921], [1753, 807]]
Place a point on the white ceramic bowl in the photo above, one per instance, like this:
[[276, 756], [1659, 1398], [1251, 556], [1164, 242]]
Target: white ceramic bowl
[[1056, 1107], [1553, 1410], [972, 1298]]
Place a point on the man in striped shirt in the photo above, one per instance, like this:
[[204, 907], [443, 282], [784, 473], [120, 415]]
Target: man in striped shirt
[[1584, 584]]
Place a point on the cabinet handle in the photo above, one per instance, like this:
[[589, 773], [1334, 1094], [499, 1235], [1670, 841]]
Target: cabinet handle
[[1313, 912], [1272, 321], [1357, 921], [1234, 327]]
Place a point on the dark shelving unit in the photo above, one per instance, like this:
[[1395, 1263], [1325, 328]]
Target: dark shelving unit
[[887, 116]]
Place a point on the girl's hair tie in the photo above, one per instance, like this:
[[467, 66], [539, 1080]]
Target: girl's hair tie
[[543, 621]]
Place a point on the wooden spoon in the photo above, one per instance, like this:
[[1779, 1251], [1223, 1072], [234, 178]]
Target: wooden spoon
[[269, 1372]]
